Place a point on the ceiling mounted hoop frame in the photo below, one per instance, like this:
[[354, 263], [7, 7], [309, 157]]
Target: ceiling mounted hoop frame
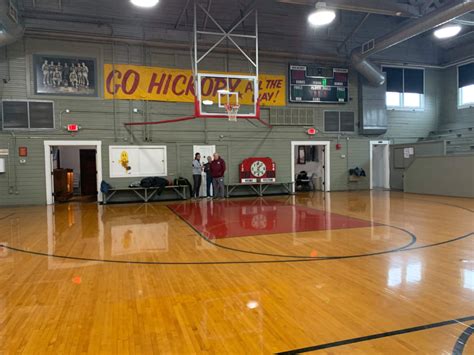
[[200, 52]]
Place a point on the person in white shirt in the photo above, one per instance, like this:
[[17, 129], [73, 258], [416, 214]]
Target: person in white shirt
[[197, 177]]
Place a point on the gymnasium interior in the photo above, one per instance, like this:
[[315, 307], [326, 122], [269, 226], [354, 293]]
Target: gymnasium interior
[[237, 177]]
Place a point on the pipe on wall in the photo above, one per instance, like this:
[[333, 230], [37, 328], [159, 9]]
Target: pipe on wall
[[409, 29]]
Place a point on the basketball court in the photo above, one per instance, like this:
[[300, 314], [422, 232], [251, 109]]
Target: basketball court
[[339, 131]]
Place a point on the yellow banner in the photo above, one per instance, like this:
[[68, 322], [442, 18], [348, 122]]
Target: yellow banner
[[133, 82]]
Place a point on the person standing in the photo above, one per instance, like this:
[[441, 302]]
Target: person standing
[[197, 177], [217, 172], [207, 170]]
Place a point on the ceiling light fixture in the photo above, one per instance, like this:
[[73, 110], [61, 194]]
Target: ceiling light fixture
[[144, 3], [447, 31], [322, 16], [207, 102]]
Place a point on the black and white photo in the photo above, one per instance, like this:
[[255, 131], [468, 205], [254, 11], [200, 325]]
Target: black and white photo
[[74, 76]]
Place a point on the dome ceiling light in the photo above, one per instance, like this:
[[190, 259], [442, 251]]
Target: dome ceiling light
[[145, 3], [322, 16], [447, 31]]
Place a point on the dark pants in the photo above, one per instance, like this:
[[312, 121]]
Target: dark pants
[[208, 185], [197, 185], [218, 185]]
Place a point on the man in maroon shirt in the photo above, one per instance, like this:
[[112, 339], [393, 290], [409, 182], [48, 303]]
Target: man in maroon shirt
[[217, 173]]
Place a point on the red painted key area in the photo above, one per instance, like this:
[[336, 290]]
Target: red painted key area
[[227, 219]]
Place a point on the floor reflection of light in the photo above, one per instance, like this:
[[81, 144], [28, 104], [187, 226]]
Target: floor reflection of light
[[413, 272], [394, 276], [252, 304], [468, 278]]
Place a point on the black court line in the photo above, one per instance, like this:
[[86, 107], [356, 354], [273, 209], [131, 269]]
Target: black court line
[[412, 236], [462, 340], [7, 216], [379, 336], [224, 262], [293, 260]]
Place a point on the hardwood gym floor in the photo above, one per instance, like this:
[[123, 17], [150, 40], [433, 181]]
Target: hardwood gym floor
[[345, 272]]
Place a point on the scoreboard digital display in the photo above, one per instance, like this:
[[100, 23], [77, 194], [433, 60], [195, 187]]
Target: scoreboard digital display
[[316, 84]]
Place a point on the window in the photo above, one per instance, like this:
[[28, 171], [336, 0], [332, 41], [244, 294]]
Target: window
[[27, 115], [466, 85], [405, 88], [336, 121]]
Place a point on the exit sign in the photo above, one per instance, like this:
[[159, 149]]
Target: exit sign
[[72, 128]]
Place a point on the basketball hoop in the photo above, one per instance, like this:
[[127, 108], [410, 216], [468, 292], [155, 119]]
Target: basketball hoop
[[232, 111]]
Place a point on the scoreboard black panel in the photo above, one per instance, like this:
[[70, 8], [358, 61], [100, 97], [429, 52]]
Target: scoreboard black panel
[[316, 84]]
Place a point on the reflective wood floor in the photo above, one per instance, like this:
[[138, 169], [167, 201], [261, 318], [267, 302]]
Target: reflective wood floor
[[345, 272]]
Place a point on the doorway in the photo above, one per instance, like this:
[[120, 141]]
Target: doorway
[[380, 165], [88, 173], [314, 158], [80, 162]]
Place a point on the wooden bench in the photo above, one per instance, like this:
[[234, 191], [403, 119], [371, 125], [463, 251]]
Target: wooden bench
[[258, 188], [146, 194]]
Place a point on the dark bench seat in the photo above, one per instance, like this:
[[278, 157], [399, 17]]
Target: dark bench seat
[[258, 188], [146, 194]]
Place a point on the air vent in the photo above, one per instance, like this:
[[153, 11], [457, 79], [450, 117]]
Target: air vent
[[368, 46], [339, 121], [292, 116]]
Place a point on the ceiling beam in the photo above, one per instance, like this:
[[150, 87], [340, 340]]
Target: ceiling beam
[[380, 7], [353, 32]]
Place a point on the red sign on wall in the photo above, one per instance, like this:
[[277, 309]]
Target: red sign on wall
[[23, 151]]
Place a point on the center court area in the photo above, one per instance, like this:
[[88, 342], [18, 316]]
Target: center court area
[[341, 272]]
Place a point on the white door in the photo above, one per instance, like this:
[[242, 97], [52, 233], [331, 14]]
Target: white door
[[205, 151], [380, 166]]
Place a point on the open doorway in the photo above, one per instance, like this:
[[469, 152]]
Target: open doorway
[[310, 169], [380, 165], [73, 171]]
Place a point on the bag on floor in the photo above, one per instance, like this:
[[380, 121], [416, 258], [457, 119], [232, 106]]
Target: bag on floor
[[105, 187]]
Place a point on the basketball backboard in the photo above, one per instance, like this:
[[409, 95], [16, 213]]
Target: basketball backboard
[[215, 91]]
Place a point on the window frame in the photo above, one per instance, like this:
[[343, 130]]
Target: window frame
[[402, 106], [29, 119], [461, 106]]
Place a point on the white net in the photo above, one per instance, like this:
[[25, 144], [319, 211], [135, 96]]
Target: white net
[[232, 111]]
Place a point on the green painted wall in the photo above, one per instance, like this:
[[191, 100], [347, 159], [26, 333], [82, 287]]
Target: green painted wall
[[441, 175], [103, 120]]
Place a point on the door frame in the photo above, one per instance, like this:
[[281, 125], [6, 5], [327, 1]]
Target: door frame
[[387, 163], [327, 160], [47, 164]]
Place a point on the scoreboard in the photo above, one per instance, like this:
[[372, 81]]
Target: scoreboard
[[316, 84]]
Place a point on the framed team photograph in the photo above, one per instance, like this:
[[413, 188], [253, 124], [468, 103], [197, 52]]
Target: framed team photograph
[[67, 76]]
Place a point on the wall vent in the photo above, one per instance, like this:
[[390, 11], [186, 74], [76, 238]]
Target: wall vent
[[339, 121], [290, 116], [368, 46]]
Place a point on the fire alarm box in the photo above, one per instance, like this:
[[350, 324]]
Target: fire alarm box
[[257, 170]]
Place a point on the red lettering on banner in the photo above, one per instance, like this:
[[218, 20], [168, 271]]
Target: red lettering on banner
[[234, 84], [190, 86], [111, 79], [249, 87], [157, 84], [136, 81], [175, 83], [220, 85], [206, 91], [279, 83], [167, 84]]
